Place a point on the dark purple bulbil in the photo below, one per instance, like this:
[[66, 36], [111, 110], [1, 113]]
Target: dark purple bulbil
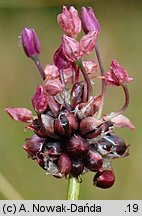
[[104, 179], [77, 167]]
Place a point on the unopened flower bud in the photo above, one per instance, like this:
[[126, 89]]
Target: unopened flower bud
[[90, 67], [93, 161], [89, 20], [122, 121], [53, 105], [60, 60], [70, 21], [77, 167], [65, 164], [117, 75], [53, 86], [66, 124], [77, 145], [39, 100], [71, 48], [20, 114], [90, 127], [88, 42], [30, 42], [104, 179], [51, 71], [33, 146]]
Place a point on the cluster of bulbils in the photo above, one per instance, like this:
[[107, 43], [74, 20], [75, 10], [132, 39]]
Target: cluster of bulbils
[[72, 136]]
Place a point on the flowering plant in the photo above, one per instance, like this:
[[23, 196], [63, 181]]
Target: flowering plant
[[72, 135]]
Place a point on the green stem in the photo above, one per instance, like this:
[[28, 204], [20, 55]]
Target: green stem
[[73, 189]]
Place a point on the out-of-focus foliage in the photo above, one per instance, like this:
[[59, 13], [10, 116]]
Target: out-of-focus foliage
[[120, 38]]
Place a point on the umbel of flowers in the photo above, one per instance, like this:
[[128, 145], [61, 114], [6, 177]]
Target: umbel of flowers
[[71, 134]]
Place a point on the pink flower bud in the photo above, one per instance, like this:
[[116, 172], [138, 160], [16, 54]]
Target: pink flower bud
[[53, 105], [33, 146], [89, 20], [122, 121], [71, 48], [39, 100], [117, 75], [90, 67], [104, 179], [53, 86], [30, 42], [60, 60], [88, 42], [70, 21], [20, 114], [51, 71]]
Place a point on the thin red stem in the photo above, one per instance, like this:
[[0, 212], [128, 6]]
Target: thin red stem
[[123, 108], [37, 62], [103, 93]]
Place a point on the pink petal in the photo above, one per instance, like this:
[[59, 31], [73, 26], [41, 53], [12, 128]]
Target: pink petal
[[53, 86], [39, 100], [71, 48], [51, 70], [20, 114], [69, 21], [122, 121], [88, 42], [90, 66], [117, 75]]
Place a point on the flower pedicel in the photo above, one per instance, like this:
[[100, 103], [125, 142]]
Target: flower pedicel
[[72, 136]]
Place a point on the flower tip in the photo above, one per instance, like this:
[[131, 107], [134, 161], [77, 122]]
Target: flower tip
[[19, 114], [69, 21], [30, 42], [89, 20]]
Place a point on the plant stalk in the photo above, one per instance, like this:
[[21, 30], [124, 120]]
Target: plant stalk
[[123, 108], [86, 78], [37, 62], [73, 188], [103, 93]]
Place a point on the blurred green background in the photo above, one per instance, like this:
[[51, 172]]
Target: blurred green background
[[121, 39]]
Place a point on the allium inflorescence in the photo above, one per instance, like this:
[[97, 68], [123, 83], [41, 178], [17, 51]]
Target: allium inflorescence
[[72, 136]]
